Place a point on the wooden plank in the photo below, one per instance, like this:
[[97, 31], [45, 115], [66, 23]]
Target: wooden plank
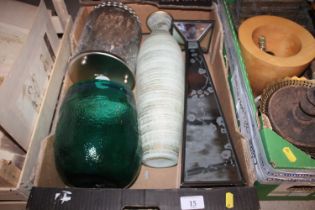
[[57, 24], [22, 91], [61, 11]]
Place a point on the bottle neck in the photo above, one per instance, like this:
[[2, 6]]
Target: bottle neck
[[160, 27], [159, 22]]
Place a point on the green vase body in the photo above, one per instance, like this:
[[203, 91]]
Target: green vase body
[[97, 141]]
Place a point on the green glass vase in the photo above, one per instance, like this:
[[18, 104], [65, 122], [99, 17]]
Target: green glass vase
[[97, 141]]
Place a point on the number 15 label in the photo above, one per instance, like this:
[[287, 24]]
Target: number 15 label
[[192, 202]]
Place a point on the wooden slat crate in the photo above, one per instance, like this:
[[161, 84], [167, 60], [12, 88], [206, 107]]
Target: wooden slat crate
[[30, 86], [30, 52]]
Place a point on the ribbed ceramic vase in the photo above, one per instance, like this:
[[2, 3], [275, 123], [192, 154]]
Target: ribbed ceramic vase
[[160, 93], [96, 141]]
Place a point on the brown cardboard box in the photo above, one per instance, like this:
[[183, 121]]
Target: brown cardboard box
[[151, 178], [45, 173]]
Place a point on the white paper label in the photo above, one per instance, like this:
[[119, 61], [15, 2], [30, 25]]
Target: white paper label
[[192, 202]]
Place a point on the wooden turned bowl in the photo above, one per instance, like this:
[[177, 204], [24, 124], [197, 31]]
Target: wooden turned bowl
[[289, 48]]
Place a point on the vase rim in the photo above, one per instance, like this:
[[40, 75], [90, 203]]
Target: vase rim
[[75, 65]]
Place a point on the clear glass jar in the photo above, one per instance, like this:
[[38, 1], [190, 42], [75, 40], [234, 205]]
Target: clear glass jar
[[111, 37]]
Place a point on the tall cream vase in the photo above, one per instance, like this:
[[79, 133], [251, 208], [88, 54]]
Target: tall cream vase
[[160, 89]]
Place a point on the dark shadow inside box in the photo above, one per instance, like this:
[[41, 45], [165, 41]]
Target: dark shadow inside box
[[298, 11]]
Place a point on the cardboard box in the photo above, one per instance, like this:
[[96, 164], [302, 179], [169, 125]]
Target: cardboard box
[[271, 165], [166, 179], [39, 168], [216, 66]]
